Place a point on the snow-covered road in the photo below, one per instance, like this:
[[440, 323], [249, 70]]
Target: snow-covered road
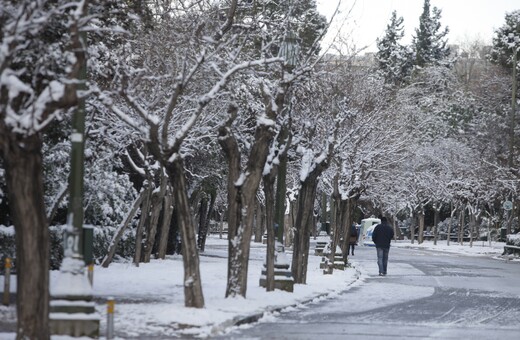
[[426, 295]]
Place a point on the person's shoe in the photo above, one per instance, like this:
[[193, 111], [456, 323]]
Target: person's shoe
[[381, 274], [384, 274]]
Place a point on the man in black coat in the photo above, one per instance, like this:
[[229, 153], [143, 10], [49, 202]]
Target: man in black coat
[[382, 236]]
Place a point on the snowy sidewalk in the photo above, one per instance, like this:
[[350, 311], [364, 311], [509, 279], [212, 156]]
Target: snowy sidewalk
[[150, 301]]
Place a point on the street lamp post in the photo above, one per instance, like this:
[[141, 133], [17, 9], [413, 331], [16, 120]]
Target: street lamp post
[[289, 51], [72, 311]]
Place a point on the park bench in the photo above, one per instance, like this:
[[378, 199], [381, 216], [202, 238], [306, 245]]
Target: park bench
[[339, 262], [320, 246], [510, 249]]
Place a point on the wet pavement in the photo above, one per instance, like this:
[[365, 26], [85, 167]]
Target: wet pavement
[[426, 295]]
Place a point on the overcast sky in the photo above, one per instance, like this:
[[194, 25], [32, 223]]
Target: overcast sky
[[367, 19]]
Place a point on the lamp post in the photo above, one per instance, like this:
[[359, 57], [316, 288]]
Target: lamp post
[[289, 51], [72, 311], [513, 106]]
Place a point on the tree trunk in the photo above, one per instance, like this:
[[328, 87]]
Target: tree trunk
[[281, 190], [155, 212], [461, 229], [242, 188], [452, 211], [472, 220], [435, 225], [145, 212], [203, 212], [193, 296], [421, 226], [121, 229], [324, 217], [348, 221], [268, 181], [289, 231], [258, 222], [334, 224], [306, 199], [166, 222], [412, 227], [57, 201], [205, 227], [23, 164]]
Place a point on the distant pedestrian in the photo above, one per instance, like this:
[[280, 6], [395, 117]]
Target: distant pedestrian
[[352, 239], [382, 236]]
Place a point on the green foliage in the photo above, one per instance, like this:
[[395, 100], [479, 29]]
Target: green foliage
[[102, 238], [394, 59], [506, 40], [274, 17], [429, 43]]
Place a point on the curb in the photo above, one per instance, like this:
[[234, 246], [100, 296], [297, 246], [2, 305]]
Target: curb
[[247, 319]]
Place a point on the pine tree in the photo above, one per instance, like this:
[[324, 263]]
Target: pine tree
[[394, 59], [429, 43], [505, 40]]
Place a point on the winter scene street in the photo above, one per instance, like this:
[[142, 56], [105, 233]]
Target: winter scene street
[[426, 295], [259, 169]]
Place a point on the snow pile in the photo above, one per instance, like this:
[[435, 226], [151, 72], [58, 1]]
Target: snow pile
[[513, 239], [479, 248]]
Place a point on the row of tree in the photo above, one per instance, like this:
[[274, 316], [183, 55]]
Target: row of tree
[[197, 109]]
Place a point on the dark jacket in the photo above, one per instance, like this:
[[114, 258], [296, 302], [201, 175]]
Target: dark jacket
[[382, 235], [353, 235]]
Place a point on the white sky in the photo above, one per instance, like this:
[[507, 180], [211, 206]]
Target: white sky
[[366, 20]]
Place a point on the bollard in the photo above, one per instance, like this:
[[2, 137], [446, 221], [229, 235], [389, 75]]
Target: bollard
[[7, 281], [110, 318], [91, 273]]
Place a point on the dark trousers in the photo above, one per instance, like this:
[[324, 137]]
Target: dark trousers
[[351, 248], [382, 259]]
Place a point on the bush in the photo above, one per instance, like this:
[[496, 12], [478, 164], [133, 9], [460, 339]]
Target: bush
[[102, 238]]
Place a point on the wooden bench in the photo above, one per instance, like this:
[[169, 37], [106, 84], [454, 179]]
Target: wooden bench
[[510, 249]]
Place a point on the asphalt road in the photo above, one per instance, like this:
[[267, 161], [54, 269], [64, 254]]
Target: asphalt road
[[426, 295]]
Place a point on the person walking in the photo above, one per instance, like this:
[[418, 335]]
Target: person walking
[[381, 237], [352, 239]]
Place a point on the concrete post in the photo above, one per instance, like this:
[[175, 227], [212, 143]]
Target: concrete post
[[110, 318], [91, 273]]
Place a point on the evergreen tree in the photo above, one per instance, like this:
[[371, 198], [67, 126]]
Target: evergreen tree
[[505, 40], [273, 18], [429, 43], [394, 59]]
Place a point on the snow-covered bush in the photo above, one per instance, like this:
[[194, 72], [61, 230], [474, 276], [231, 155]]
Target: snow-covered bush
[[102, 239], [513, 239]]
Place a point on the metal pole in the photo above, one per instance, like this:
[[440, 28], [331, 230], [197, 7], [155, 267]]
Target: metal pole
[[513, 112], [7, 281], [110, 318]]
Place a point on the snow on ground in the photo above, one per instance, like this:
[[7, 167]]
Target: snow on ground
[[479, 248], [150, 300]]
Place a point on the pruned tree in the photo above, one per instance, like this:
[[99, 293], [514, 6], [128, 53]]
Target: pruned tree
[[41, 58]]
